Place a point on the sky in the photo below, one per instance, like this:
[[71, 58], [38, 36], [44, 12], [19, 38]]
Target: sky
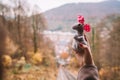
[[49, 4]]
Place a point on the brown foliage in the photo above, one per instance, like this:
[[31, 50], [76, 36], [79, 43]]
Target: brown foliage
[[3, 35], [64, 55]]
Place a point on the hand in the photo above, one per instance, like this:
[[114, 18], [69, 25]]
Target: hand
[[86, 53], [83, 47]]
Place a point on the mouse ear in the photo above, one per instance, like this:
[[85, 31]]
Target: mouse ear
[[87, 27]]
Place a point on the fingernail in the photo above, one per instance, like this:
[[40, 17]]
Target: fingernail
[[81, 45]]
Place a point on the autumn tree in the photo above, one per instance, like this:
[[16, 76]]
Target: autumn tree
[[38, 25], [112, 54], [3, 35], [108, 39]]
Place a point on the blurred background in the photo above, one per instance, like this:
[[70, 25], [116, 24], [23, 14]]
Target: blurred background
[[36, 37]]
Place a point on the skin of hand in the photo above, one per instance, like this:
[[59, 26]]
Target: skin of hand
[[85, 57]]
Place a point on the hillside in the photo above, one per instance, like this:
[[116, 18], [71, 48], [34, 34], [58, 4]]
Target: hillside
[[63, 17]]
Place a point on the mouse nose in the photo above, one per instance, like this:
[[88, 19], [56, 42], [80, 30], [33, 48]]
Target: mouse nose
[[75, 27]]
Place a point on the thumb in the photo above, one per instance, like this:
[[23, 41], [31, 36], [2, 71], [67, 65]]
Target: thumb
[[85, 38]]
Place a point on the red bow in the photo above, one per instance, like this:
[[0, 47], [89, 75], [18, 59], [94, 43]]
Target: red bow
[[81, 21], [87, 27]]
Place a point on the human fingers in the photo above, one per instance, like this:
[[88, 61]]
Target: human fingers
[[85, 37], [83, 46], [86, 48]]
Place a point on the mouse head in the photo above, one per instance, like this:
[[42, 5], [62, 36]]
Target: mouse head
[[79, 28]]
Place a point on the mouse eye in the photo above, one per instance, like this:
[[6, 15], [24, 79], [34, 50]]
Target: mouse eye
[[79, 24]]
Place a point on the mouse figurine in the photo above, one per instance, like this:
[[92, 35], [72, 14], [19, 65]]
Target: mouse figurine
[[79, 38]]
